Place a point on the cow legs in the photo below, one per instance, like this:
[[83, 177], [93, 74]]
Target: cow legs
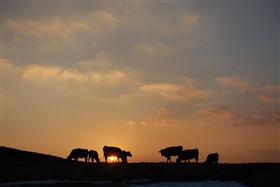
[[169, 159]]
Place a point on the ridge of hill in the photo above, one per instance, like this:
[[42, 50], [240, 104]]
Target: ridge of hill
[[19, 165], [11, 155]]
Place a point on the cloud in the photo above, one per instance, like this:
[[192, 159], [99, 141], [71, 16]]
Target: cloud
[[103, 19], [159, 117], [185, 25], [161, 87], [270, 94], [222, 116], [234, 82], [161, 112], [5, 63], [271, 88], [183, 92], [156, 49], [50, 27], [95, 21], [41, 73], [109, 77], [48, 90], [191, 19], [101, 62], [269, 99]]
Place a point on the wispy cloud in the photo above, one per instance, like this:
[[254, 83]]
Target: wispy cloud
[[185, 25], [41, 73], [234, 82], [191, 19], [161, 87], [101, 62], [271, 88], [183, 92], [156, 49], [224, 117], [103, 19], [269, 99], [270, 94], [94, 21], [51, 27]]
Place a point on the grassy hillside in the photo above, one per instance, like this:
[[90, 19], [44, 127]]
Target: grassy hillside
[[17, 165]]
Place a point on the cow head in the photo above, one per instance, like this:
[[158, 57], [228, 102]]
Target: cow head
[[162, 152], [128, 154]]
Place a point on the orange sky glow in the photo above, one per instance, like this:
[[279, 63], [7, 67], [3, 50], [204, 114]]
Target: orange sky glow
[[142, 76]]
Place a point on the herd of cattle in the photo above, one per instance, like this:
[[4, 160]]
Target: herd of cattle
[[110, 151], [187, 154], [92, 155]]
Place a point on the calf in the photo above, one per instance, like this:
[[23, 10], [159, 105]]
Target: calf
[[212, 158], [93, 155], [171, 151], [124, 155]]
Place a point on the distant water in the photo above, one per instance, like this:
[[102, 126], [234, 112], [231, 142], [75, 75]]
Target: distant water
[[192, 184], [130, 183]]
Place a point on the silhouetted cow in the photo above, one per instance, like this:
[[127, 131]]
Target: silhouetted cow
[[124, 155], [78, 153], [171, 151], [187, 155], [111, 151], [93, 155], [212, 158]]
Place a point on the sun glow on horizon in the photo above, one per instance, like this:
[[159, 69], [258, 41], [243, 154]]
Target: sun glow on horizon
[[112, 159]]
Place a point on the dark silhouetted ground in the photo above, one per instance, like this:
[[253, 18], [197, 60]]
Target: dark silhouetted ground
[[17, 165]]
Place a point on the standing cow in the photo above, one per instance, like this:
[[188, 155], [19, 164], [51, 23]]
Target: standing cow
[[93, 155], [171, 151], [124, 155], [187, 155], [78, 153], [111, 151], [212, 158]]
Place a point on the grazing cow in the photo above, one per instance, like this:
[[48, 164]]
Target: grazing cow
[[124, 155], [187, 155], [212, 158], [78, 153], [171, 151], [93, 155], [111, 151]]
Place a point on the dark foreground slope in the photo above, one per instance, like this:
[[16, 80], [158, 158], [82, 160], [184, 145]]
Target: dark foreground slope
[[16, 165]]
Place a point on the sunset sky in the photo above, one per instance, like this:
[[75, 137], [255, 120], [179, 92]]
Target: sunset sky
[[142, 75]]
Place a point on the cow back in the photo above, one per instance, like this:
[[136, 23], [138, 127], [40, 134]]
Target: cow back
[[112, 151], [171, 151], [78, 153], [189, 154], [212, 158]]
